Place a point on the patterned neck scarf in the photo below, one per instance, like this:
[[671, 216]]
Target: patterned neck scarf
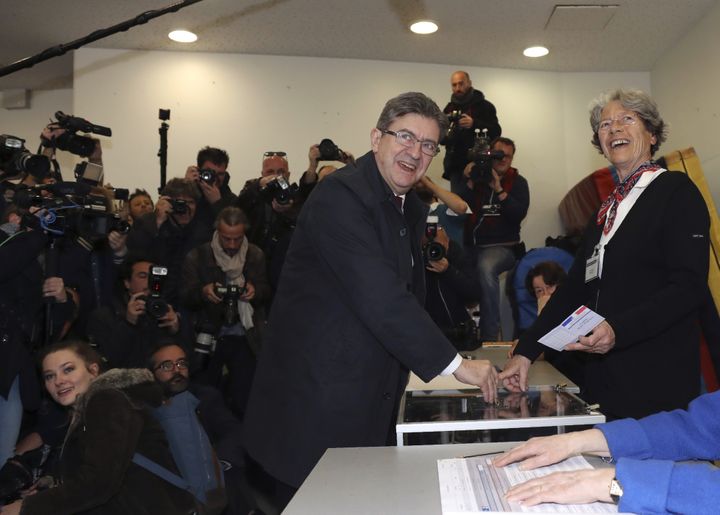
[[609, 207]]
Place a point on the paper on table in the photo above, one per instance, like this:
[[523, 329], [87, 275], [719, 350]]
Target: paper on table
[[476, 486], [579, 323]]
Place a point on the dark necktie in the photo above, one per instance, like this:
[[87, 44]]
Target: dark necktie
[[398, 200]]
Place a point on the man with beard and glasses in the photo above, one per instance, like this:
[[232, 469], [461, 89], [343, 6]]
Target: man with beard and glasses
[[467, 110], [169, 364]]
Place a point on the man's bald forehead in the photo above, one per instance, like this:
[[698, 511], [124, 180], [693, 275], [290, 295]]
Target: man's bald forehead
[[274, 164]]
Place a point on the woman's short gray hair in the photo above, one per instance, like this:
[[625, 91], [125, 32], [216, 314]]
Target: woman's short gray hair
[[636, 101], [412, 103]]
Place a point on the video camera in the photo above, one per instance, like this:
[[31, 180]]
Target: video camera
[[15, 159], [432, 250], [329, 151], [279, 190], [69, 141], [155, 305], [70, 209], [483, 156]]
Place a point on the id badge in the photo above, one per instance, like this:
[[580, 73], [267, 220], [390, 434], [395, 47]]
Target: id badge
[[592, 267]]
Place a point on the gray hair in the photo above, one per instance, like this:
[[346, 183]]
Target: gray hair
[[412, 103], [636, 101]]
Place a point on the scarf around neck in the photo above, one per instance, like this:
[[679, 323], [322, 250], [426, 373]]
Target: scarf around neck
[[622, 190], [233, 267]]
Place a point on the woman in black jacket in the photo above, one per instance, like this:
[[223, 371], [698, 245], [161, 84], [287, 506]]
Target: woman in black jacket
[[110, 422]]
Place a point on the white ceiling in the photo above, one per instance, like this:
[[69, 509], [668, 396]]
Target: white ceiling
[[488, 33]]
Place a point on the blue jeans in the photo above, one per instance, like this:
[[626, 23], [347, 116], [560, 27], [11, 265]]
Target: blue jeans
[[11, 411], [490, 263]]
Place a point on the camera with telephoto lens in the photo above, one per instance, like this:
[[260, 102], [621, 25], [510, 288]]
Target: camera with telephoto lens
[[69, 141], [179, 206], [15, 159], [204, 347], [155, 305], [432, 250], [279, 190], [483, 156], [230, 294], [329, 151], [208, 175]]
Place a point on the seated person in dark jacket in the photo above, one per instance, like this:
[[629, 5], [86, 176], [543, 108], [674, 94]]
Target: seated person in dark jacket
[[225, 283], [111, 421], [126, 332], [170, 365], [213, 179], [171, 231]]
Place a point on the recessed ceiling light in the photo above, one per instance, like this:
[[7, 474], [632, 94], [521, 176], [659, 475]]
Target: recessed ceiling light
[[183, 36], [424, 27], [536, 51]]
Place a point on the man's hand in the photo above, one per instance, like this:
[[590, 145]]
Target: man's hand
[[495, 183], [135, 307], [313, 157], [468, 169], [249, 292], [211, 192], [192, 173], [55, 287], [466, 121], [515, 374], [118, 243], [439, 267], [480, 373], [96, 156], [281, 208], [163, 208], [170, 320], [208, 293], [600, 341], [575, 487]]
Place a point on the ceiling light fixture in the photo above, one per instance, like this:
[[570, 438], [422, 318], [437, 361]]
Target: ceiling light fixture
[[183, 36], [536, 51], [424, 27]]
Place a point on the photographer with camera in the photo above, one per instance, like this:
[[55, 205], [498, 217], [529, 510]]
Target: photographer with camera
[[168, 234], [211, 175], [125, 332], [326, 150], [499, 197], [467, 111], [272, 204], [25, 292], [225, 283]]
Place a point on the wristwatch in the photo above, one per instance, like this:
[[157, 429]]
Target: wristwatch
[[616, 490]]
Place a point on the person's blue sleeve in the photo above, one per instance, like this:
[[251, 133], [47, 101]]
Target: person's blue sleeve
[[658, 486], [673, 435]]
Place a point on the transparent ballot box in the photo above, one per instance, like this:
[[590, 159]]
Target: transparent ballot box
[[450, 412]]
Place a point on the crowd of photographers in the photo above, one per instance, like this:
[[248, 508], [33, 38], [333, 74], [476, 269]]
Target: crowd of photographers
[[199, 265]]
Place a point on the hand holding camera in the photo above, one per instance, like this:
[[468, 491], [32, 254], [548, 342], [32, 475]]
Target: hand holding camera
[[206, 180], [135, 307], [209, 293], [163, 209]]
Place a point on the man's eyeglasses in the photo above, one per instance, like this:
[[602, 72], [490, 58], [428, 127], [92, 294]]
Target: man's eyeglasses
[[273, 153], [407, 139], [169, 365], [624, 120]]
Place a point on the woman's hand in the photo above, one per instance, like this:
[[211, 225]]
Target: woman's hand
[[576, 487], [548, 450], [600, 341]]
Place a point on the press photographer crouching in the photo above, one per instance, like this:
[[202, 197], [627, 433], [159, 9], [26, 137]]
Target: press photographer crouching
[[225, 283], [499, 198], [168, 234], [451, 285], [125, 332]]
